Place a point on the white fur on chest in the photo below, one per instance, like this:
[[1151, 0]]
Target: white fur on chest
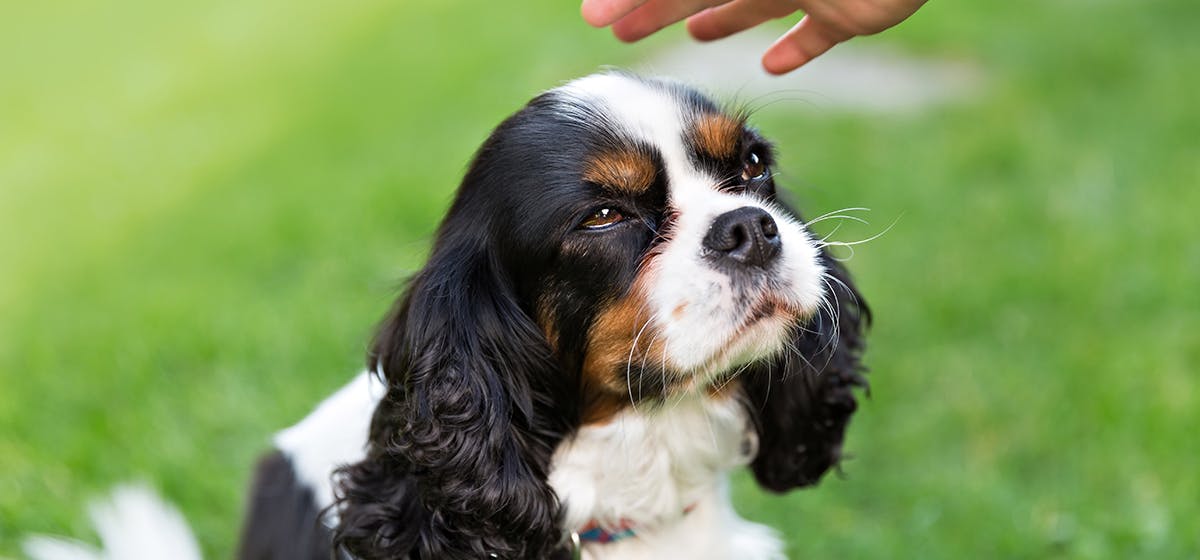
[[647, 466]]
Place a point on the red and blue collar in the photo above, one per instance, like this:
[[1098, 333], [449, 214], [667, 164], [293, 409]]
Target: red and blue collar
[[594, 532]]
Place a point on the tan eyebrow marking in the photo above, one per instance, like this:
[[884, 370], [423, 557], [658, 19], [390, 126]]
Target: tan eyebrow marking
[[626, 171], [717, 135]]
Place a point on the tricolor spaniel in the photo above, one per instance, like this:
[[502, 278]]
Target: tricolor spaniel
[[618, 311]]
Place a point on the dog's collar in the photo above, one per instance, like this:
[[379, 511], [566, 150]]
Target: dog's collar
[[593, 532]]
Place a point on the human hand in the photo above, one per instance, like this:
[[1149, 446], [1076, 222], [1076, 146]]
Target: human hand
[[825, 22]]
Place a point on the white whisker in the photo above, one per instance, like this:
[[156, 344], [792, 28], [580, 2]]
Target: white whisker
[[860, 241], [835, 213], [629, 363]]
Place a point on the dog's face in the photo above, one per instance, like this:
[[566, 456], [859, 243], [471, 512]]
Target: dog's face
[[641, 222], [616, 240]]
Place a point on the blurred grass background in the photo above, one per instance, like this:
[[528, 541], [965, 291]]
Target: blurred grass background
[[205, 207]]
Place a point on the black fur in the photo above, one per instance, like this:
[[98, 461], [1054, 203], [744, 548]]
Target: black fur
[[461, 444], [281, 518]]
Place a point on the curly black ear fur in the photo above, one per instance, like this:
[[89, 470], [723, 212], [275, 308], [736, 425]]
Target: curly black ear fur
[[461, 444], [802, 401]]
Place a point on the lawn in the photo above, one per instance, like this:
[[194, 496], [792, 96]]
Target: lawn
[[205, 207]]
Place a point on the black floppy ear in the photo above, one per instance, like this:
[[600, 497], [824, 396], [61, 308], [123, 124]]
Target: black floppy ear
[[801, 402], [461, 444]]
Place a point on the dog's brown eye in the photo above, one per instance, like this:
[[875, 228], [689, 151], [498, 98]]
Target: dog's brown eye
[[754, 168], [602, 218]]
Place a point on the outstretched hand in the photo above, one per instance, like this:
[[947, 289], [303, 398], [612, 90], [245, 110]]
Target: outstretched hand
[[825, 22]]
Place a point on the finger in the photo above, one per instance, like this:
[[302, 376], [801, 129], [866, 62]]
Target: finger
[[804, 42], [657, 14], [601, 13], [739, 15]]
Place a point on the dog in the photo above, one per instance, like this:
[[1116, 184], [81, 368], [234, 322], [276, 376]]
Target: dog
[[619, 310]]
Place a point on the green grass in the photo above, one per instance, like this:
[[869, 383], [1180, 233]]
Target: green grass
[[205, 206]]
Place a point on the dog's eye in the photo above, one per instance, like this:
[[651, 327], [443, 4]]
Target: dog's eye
[[754, 167], [602, 218]]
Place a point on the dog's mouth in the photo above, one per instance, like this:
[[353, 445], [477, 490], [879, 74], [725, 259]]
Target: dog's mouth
[[767, 307], [759, 335]]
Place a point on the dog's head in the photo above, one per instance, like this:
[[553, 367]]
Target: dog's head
[[618, 240]]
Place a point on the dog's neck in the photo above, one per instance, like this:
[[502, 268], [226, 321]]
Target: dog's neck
[[647, 465]]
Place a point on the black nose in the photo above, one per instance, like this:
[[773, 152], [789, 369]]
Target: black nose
[[747, 236]]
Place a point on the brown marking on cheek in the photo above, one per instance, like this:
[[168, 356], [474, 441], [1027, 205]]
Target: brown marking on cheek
[[625, 171], [545, 321], [601, 408], [619, 335], [717, 135], [677, 313]]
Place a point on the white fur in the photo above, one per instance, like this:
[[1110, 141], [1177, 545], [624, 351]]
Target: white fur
[[332, 435], [134, 524], [647, 467], [693, 305]]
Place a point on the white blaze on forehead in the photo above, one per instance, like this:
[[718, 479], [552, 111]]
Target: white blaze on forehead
[[646, 112], [652, 113]]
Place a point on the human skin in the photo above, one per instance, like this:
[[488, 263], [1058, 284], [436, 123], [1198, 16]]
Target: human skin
[[825, 23]]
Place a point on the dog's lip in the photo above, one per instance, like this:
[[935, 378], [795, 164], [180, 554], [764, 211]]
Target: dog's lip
[[765, 308], [762, 311], [768, 315]]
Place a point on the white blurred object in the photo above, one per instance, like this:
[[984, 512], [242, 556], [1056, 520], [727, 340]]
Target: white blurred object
[[850, 78], [134, 524]]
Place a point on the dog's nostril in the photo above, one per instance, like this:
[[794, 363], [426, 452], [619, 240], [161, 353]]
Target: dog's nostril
[[769, 228], [738, 236], [747, 236]]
